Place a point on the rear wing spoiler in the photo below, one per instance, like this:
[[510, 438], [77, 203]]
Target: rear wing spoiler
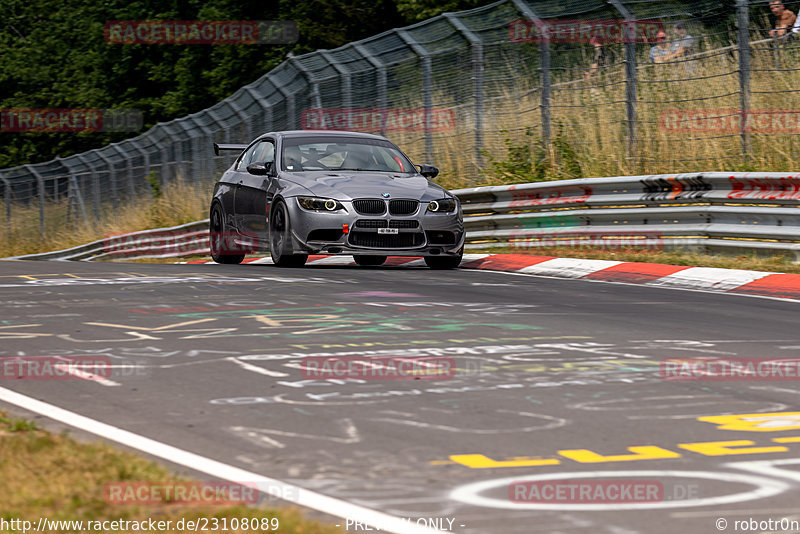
[[237, 148]]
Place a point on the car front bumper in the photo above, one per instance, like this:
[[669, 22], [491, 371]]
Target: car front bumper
[[422, 233]]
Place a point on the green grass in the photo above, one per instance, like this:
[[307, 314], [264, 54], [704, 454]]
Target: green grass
[[54, 476]]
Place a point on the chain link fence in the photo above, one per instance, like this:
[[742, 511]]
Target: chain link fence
[[507, 88]]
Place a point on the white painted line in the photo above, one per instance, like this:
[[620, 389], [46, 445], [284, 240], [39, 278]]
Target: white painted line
[[77, 373], [568, 267], [255, 368], [473, 257], [333, 260], [413, 263], [271, 486], [267, 260], [709, 278]]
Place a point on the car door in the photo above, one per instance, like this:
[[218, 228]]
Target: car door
[[250, 198]]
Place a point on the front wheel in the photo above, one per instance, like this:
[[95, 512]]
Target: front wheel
[[369, 260], [443, 262], [221, 239], [280, 238]]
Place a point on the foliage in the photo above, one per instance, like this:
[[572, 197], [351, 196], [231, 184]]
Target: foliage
[[55, 56], [531, 160]]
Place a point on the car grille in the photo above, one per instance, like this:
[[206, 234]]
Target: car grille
[[403, 207], [375, 240], [369, 206], [383, 223], [370, 223], [403, 223]]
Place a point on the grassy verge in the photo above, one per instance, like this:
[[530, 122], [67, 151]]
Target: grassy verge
[[54, 476]]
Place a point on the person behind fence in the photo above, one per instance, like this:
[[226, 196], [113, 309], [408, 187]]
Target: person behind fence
[[683, 43], [661, 51], [599, 58], [784, 19]]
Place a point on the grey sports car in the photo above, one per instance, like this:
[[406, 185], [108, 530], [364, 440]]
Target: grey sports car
[[297, 193]]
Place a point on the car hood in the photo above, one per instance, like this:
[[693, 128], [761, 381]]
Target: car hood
[[350, 185]]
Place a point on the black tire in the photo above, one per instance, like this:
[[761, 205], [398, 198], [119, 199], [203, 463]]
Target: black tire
[[220, 238], [280, 238], [443, 262], [369, 260]]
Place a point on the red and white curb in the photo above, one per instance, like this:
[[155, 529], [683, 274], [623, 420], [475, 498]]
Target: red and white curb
[[757, 283]]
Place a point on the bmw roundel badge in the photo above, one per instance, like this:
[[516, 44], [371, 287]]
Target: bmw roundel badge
[[385, 195]]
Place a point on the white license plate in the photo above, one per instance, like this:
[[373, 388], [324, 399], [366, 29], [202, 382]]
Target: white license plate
[[388, 230]]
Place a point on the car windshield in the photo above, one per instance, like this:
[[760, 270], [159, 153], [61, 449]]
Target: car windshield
[[343, 154]]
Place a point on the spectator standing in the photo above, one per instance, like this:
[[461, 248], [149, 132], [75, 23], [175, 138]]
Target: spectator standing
[[784, 19], [661, 51], [683, 44], [599, 58]]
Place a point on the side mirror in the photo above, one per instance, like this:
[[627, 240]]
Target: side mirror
[[260, 168], [428, 171]]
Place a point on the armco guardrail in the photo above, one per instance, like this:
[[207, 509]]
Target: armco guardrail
[[175, 241], [706, 212]]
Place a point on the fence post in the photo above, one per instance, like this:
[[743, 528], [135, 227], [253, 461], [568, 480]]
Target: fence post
[[344, 77], [203, 148], [113, 172], [291, 114], [630, 78], [7, 189], [477, 81], [40, 187], [95, 185], [743, 38], [74, 196], [125, 156], [248, 131], [427, 88], [544, 68], [310, 79], [265, 105], [381, 79]]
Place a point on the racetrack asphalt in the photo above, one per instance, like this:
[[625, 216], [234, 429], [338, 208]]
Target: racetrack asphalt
[[559, 384]]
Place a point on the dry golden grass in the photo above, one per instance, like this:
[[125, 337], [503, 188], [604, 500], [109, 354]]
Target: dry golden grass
[[53, 476], [590, 117], [178, 203]]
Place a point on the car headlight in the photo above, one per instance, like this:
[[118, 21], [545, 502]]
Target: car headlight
[[319, 204], [442, 205]]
